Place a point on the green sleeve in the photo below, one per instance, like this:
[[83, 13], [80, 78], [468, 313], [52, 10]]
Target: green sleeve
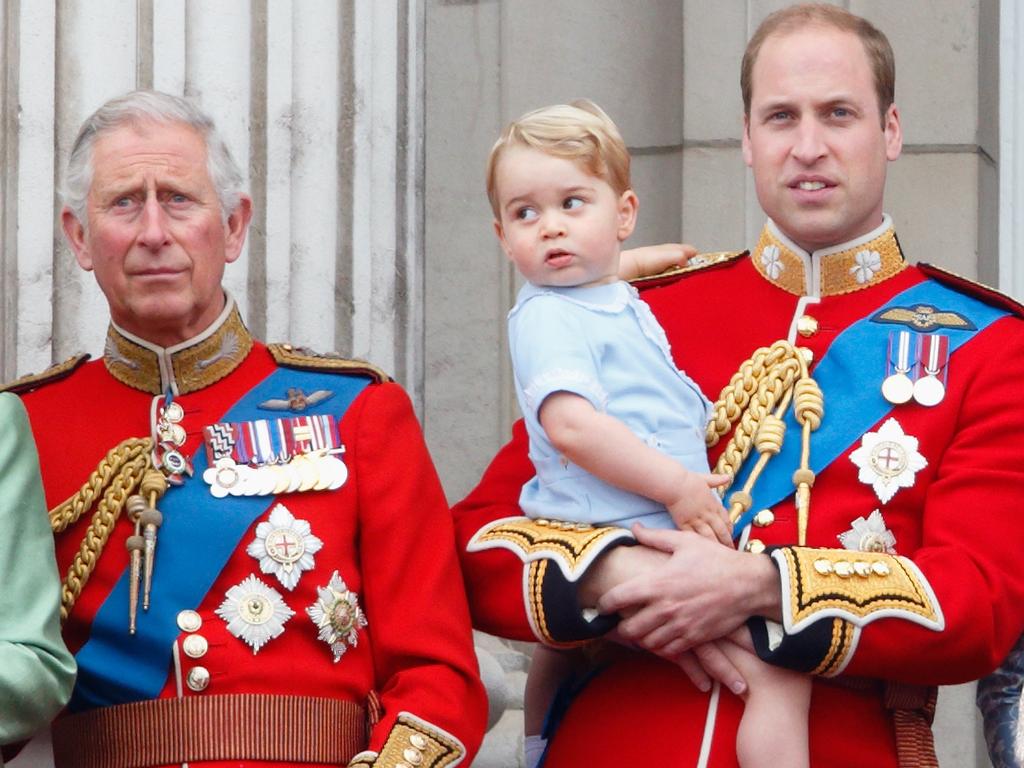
[[36, 670]]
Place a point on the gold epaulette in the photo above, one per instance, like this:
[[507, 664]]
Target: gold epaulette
[[973, 288], [307, 360], [697, 263], [53, 373]]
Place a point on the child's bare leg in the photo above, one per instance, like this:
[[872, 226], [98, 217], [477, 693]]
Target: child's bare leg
[[548, 670], [773, 731]]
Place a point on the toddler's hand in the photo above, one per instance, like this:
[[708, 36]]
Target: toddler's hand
[[699, 509], [654, 259]]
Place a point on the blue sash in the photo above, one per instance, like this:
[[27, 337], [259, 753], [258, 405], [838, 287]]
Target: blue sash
[[199, 535], [850, 377]]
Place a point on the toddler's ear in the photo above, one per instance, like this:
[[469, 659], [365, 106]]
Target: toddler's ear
[[628, 206], [500, 232]]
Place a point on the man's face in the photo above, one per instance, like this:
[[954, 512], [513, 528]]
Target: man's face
[[156, 238], [815, 139], [560, 225]]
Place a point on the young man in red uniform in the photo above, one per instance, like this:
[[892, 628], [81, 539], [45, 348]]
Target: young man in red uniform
[[258, 557], [893, 567]]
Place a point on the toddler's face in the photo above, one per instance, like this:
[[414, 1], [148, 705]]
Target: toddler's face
[[560, 225]]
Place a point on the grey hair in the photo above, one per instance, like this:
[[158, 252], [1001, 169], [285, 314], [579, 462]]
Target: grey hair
[[138, 107]]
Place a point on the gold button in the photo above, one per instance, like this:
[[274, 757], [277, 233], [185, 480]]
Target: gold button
[[756, 546], [583, 526], [862, 569], [806, 326], [198, 679], [823, 566], [189, 621], [764, 518], [880, 568], [195, 646], [418, 741], [843, 569], [541, 521], [808, 355], [412, 756]]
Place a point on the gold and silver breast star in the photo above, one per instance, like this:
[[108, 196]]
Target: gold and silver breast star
[[888, 460], [337, 615], [254, 612], [284, 546]]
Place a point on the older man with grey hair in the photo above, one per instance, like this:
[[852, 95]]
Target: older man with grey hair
[[238, 522]]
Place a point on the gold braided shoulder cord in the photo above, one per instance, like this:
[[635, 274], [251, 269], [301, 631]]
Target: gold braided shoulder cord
[[757, 397], [118, 474]]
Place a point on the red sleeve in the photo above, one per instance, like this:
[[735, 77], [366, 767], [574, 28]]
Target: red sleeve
[[494, 577], [521, 574], [951, 605], [972, 529], [424, 659]]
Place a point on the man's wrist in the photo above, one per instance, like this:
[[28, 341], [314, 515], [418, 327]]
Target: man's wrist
[[765, 587]]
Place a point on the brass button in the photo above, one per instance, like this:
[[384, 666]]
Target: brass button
[[198, 679], [195, 646], [806, 326], [418, 741], [189, 621], [764, 518], [843, 569], [862, 569], [411, 756], [823, 566], [808, 355], [756, 546], [880, 568]]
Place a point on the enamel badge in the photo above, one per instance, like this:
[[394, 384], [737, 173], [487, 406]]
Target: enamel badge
[[284, 546], [869, 535], [888, 460], [337, 615], [254, 612]]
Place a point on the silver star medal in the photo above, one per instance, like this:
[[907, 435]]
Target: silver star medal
[[888, 460], [254, 612], [284, 546], [869, 535], [337, 615]]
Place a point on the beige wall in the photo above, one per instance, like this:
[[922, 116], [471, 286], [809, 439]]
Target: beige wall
[[668, 72]]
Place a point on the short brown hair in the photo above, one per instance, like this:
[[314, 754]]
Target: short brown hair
[[578, 131], [876, 46]]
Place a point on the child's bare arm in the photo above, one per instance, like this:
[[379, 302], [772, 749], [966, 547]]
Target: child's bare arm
[[607, 448], [653, 259]]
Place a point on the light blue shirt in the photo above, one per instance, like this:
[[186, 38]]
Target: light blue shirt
[[603, 344]]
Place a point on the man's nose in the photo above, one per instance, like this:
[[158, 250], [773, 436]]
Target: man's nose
[[809, 143], [153, 233]]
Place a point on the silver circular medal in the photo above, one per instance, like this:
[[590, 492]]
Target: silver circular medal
[[174, 412], [929, 391], [898, 388]]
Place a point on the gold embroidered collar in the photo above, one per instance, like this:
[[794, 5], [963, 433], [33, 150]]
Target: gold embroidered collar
[[844, 268], [185, 367]]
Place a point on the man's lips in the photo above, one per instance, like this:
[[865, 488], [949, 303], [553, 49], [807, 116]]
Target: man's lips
[[157, 272], [810, 183]]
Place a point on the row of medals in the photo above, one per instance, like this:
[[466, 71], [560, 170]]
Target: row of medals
[[316, 471], [928, 390]]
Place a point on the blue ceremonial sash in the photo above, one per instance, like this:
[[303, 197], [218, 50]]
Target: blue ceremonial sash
[[199, 535], [850, 377]]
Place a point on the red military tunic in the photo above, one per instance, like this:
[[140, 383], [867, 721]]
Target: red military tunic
[[943, 604], [410, 671]]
